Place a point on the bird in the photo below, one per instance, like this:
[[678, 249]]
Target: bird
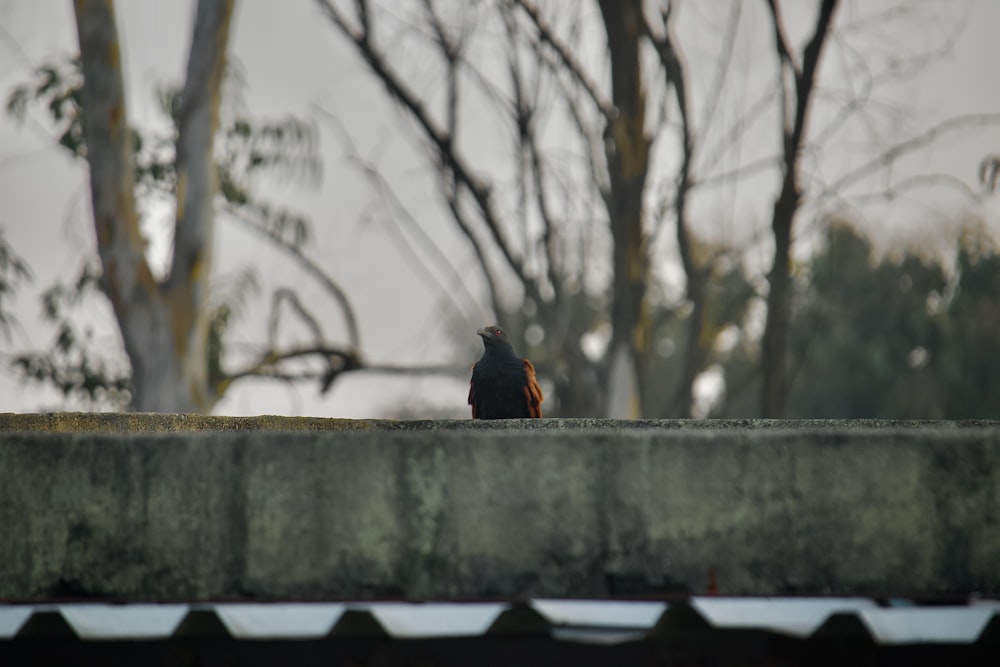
[[503, 386]]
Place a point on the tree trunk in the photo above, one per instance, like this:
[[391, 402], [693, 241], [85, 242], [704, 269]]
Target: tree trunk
[[797, 82], [775, 343], [579, 386], [668, 49], [695, 352], [627, 147], [163, 327], [187, 286]]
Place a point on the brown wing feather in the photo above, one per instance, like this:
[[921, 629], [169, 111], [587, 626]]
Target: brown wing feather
[[532, 391]]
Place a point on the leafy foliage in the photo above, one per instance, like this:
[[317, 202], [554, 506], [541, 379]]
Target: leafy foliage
[[229, 299], [56, 86], [966, 353], [75, 363], [246, 147], [729, 297], [286, 147], [897, 338], [13, 272]]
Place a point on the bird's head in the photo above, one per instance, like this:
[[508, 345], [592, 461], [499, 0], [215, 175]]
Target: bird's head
[[495, 337]]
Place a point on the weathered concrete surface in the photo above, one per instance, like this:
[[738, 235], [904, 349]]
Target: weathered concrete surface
[[349, 510]]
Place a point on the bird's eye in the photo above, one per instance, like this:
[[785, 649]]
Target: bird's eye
[[496, 332]]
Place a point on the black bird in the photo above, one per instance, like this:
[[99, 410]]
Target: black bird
[[503, 385]]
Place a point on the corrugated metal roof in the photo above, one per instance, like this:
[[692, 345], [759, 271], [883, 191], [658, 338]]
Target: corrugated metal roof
[[799, 617], [928, 625], [595, 621]]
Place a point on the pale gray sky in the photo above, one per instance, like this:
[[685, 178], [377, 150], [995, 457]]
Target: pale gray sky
[[292, 61]]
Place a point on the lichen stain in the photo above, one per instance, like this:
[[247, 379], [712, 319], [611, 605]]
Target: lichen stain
[[115, 114], [180, 194], [114, 54]]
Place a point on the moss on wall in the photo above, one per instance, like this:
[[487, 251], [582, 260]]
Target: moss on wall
[[161, 507]]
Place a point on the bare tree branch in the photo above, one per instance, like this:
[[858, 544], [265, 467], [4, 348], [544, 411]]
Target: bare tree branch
[[547, 37], [268, 365], [268, 362], [738, 173], [673, 66], [197, 122], [886, 158], [548, 219], [920, 182], [806, 79], [593, 140], [346, 309], [446, 370], [286, 295], [465, 225], [444, 145], [804, 75], [857, 99], [577, 100], [451, 49], [781, 41], [521, 113], [786, 204], [722, 67], [455, 284], [112, 183], [854, 204], [671, 61], [710, 154], [525, 110]]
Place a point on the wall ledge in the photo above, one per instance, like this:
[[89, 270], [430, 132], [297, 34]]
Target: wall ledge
[[187, 507]]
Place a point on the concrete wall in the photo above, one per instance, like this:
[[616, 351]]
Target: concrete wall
[[353, 510]]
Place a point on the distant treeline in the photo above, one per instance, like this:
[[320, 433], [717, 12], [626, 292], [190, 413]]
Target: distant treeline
[[897, 336]]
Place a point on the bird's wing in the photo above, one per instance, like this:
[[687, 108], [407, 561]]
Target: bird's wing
[[472, 392], [532, 391]]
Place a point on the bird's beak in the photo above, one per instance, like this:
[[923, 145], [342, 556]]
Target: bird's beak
[[483, 332]]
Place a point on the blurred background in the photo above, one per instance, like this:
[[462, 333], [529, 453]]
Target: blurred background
[[677, 209]]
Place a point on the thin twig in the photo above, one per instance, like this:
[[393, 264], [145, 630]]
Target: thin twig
[[444, 144], [346, 309], [547, 37], [284, 294], [723, 66], [925, 138], [268, 365], [454, 282]]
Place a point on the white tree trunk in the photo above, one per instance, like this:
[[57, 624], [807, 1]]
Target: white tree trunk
[[163, 327], [197, 184], [623, 386]]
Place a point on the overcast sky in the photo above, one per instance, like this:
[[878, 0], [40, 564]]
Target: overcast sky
[[293, 61]]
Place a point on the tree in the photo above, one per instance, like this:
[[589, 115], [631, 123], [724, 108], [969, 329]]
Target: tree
[[173, 327], [895, 337], [964, 356], [798, 87], [611, 134], [860, 331], [164, 325], [798, 83], [579, 157], [641, 146], [13, 273]]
